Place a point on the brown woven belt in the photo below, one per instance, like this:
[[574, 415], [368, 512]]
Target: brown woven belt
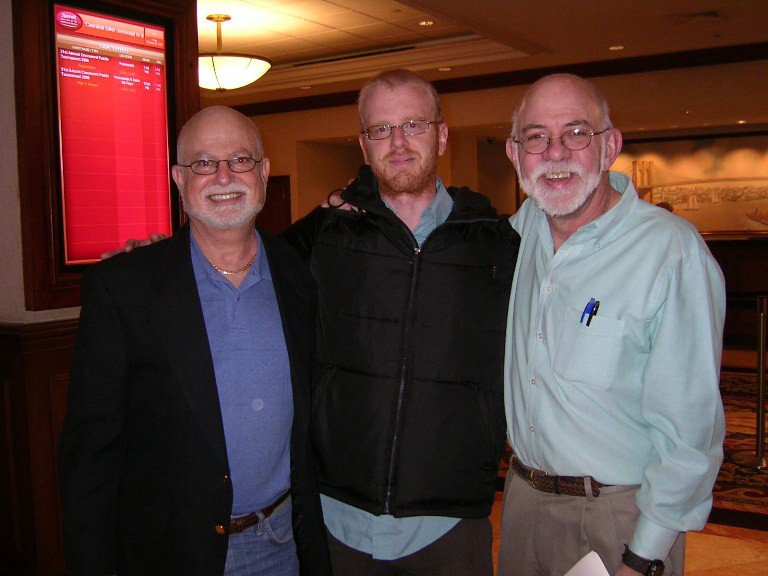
[[567, 485], [237, 525]]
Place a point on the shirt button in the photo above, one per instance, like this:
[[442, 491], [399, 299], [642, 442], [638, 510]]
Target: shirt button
[[540, 335], [549, 288], [598, 245], [532, 429], [225, 479], [533, 381]]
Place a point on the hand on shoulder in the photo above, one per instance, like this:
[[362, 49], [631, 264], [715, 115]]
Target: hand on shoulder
[[132, 243]]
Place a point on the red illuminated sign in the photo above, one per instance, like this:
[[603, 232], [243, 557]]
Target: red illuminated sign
[[113, 130]]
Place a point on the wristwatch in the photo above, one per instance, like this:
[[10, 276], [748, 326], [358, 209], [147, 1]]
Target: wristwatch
[[642, 565]]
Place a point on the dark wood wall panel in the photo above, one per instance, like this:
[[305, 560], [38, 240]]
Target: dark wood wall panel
[[35, 362], [745, 267]]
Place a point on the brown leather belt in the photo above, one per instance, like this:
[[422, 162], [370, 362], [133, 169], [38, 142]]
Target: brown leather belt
[[237, 525], [567, 485]]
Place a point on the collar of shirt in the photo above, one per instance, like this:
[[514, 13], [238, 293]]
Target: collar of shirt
[[204, 271], [604, 228], [435, 214]]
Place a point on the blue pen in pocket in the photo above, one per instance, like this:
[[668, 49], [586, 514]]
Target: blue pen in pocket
[[590, 310]]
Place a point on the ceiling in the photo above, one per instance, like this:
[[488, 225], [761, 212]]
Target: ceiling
[[329, 46]]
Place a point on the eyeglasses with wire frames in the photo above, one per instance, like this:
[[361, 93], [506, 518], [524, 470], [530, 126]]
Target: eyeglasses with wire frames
[[573, 139], [408, 128], [238, 164]]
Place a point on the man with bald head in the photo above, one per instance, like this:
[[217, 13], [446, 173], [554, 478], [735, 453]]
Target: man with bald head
[[185, 447], [613, 354]]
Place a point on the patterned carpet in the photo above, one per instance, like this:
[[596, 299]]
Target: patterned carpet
[[740, 488]]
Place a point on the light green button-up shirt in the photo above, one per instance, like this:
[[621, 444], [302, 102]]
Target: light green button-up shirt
[[633, 398]]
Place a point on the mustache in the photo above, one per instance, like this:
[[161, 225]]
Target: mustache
[[560, 166], [231, 188], [405, 153]]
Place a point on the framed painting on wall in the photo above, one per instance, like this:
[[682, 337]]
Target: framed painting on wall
[[719, 184]]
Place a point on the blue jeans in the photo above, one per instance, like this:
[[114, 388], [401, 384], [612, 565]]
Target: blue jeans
[[265, 549]]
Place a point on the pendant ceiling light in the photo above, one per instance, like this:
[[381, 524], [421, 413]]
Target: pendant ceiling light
[[227, 70]]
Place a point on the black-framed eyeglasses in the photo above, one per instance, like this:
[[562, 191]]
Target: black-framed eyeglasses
[[574, 139], [408, 128], [238, 164]]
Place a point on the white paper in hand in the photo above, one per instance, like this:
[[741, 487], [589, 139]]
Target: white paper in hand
[[590, 565]]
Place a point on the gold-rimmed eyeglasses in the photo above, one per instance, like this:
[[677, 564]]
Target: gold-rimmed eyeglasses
[[574, 139]]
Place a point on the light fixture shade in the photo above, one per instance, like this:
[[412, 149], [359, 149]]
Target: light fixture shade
[[229, 71]]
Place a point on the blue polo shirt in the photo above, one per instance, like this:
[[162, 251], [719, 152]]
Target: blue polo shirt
[[253, 378]]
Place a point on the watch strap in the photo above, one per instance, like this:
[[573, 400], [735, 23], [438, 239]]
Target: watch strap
[[642, 565]]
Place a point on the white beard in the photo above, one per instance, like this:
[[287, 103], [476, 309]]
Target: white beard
[[225, 217], [562, 201]]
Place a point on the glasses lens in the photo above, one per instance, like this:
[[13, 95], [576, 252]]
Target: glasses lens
[[204, 167], [576, 139], [379, 132], [244, 164], [414, 127], [535, 144]]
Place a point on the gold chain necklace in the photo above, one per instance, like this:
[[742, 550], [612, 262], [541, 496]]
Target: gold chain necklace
[[228, 272]]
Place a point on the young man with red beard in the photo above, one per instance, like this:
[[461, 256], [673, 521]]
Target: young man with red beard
[[613, 354], [408, 416]]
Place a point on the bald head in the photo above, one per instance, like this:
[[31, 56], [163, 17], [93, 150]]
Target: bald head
[[563, 88], [216, 122]]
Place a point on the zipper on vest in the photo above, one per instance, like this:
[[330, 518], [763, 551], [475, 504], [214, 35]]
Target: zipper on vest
[[403, 371]]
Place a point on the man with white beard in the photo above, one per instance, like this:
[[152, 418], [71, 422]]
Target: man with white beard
[[612, 358], [185, 447]]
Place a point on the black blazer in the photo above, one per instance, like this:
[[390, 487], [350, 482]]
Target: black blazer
[[143, 462]]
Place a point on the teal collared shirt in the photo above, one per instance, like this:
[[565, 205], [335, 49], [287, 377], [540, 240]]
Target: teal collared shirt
[[633, 398], [386, 537]]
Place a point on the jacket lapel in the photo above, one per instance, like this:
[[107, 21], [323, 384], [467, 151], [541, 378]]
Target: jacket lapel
[[177, 317]]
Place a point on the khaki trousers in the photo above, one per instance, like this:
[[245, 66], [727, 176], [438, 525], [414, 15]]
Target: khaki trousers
[[545, 534]]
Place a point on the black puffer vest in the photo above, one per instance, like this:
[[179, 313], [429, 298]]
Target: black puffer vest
[[408, 402]]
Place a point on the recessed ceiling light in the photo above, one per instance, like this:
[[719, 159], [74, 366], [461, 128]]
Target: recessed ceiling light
[[689, 111], [305, 87], [742, 122], [445, 69], [426, 23], [616, 48]]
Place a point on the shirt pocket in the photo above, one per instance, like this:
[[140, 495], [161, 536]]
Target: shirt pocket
[[587, 355]]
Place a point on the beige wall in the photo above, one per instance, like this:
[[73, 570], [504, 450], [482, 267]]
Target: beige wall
[[11, 272]]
